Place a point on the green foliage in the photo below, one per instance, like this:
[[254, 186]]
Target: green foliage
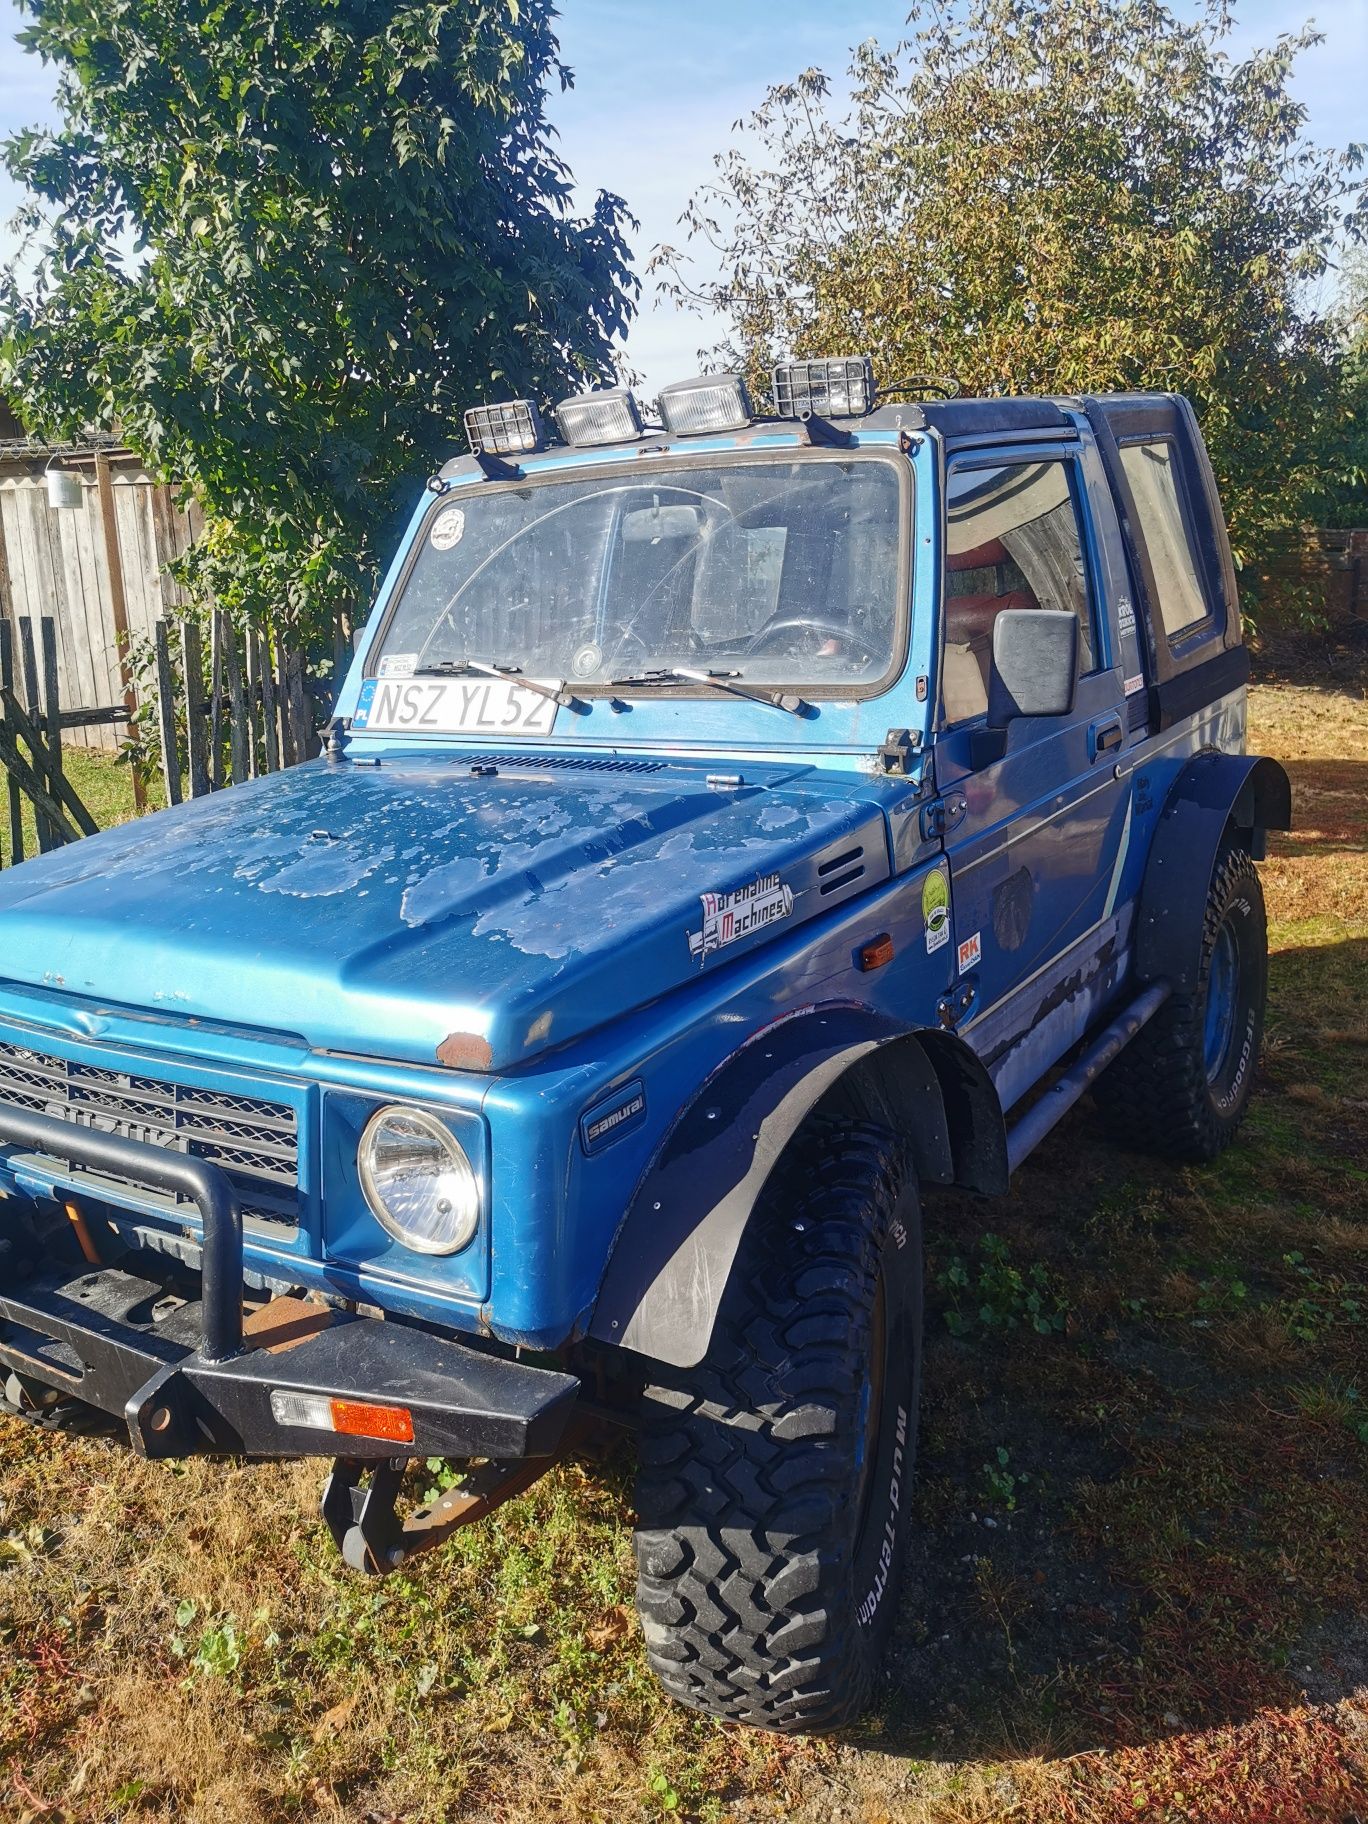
[[1317, 1304], [1001, 1481], [996, 1295], [282, 247], [1059, 196], [1345, 501], [1336, 1405]]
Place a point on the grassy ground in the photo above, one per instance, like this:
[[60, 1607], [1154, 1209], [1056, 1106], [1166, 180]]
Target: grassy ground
[[1139, 1589], [103, 786]]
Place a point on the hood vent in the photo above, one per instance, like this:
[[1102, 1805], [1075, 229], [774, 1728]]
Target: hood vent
[[841, 870], [570, 763]]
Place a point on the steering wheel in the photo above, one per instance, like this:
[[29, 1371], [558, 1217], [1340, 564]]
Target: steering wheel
[[817, 627]]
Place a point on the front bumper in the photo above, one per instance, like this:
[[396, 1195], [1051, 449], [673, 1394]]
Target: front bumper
[[187, 1378]]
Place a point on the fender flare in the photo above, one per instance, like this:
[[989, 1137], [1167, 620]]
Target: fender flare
[[1212, 793], [674, 1249]]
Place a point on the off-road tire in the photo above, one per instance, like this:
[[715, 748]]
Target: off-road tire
[[1158, 1096], [766, 1585]]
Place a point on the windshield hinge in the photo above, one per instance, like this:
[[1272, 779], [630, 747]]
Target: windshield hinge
[[897, 750], [942, 815]]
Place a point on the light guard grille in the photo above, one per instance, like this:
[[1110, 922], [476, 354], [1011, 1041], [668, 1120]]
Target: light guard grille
[[835, 388]]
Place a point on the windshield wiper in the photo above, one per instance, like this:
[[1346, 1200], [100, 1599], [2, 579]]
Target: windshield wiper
[[719, 680], [508, 674]]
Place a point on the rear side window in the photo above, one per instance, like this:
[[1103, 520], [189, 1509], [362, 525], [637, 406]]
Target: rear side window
[[1152, 473], [1012, 541]]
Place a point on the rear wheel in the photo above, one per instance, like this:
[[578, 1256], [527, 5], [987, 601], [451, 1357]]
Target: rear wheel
[[1181, 1087], [775, 1477]]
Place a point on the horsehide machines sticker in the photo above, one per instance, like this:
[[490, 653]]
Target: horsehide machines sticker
[[728, 917]]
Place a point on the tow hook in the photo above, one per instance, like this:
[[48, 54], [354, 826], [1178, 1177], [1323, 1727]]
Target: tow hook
[[367, 1530]]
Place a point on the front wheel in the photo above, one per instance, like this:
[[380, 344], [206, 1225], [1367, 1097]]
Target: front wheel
[[1182, 1085], [774, 1487]]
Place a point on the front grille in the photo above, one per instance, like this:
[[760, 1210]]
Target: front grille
[[255, 1141]]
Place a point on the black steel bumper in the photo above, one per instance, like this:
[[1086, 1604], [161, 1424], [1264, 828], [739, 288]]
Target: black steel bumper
[[184, 1378]]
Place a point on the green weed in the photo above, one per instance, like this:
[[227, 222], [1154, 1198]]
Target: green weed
[[1001, 1482], [995, 1294]]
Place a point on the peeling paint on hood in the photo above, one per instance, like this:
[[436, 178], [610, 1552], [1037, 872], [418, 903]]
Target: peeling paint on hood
[[384, 909]]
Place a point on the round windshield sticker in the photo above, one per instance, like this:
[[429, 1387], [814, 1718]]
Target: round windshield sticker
[[587, 660], [936, 909], [448, 529]]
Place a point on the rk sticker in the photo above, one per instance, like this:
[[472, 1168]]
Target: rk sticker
[[1134, 684], [971, 952], [448, 529], [398, 664], [936, 910], [728, 917]]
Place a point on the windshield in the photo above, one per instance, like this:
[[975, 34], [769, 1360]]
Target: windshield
[[780, 572]]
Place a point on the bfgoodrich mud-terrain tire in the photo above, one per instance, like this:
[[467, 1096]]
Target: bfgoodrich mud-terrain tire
[[774, 1488], [1181, 1087]]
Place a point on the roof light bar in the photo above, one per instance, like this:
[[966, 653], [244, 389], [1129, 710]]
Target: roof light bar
[[836, 387], [512, 428], [609, 415], [710, 402]]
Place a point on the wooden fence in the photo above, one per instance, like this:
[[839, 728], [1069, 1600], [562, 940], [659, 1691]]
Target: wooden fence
[[89, 613], [98, 572], [250, 710]]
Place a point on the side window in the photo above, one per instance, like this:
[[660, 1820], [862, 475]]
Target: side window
[[1013, 541], [1151, 471]]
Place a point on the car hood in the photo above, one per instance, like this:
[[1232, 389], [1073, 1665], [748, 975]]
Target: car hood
[[423, 909]]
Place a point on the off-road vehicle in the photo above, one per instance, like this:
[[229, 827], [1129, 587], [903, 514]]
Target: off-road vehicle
[[733, 828]]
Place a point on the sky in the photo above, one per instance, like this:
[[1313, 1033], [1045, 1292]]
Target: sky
[[659, 85]]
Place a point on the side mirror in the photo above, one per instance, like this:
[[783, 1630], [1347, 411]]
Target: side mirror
[[1035, 664]]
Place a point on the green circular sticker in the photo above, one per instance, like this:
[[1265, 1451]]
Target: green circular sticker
[[936, 909]]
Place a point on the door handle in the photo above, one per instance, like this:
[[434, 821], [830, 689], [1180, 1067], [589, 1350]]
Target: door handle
[[1106, 736]]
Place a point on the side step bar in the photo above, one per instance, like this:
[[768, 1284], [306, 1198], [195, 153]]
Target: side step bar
[[1045, 1114]]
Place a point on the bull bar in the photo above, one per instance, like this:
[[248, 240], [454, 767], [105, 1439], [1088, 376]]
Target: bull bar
[[194, 1381]]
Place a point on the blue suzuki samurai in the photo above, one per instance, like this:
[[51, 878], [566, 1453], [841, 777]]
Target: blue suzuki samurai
[[732, 828]]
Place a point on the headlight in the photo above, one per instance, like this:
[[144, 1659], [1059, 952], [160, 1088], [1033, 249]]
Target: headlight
[[418, 1181]]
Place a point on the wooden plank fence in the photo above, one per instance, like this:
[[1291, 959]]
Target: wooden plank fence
[[271, 713], [98, 572], [208, 738]]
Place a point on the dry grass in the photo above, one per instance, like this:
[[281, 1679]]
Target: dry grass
[[1151, 1606]]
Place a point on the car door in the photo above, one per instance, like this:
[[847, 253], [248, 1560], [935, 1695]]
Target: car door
[[1034, 821]]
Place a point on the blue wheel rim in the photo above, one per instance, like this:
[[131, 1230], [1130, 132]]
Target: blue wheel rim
[[1222, 996]]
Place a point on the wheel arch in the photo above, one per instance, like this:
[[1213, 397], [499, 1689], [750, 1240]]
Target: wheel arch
[[1213, 795], [674, 1249]]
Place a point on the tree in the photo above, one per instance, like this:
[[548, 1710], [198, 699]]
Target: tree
[[1055, 196], [1346, 482], [280, 244]]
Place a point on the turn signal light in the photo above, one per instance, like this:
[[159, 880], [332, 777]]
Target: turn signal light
[[877, 952], [352, 1418]]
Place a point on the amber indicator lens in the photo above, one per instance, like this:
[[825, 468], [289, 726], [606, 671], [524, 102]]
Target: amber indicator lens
[[360, 1421], [877, 952], [353, 1418]]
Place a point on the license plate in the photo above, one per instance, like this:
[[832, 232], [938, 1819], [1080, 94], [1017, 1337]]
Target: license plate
[[453, 706]]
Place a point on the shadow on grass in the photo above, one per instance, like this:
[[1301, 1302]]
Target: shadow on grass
[[1329, 809], [1155, 1520]]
